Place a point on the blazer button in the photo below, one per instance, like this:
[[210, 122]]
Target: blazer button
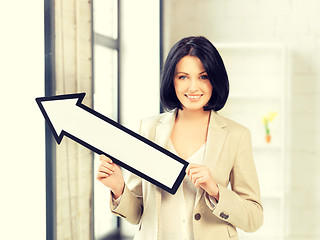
[[224, 216], [197, 216]]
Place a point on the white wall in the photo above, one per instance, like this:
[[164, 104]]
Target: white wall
[[22, 164], [296, 24], [139, 56]]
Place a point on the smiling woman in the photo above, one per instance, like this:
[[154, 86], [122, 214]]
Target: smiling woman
[[191, 82], [209, 65], [194, 87]]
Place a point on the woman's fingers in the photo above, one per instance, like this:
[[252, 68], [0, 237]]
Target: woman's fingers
[[198, 179], [101, 175], [201, 176], [194, 171], [105, 158], [194, 168], [107, 165], [110, 175], [191, 167], [106, 169]]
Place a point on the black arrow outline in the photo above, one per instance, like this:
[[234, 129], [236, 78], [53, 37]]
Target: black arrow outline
[[80, 97]]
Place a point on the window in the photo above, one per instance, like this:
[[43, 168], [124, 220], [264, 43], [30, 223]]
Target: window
[[105, 96]]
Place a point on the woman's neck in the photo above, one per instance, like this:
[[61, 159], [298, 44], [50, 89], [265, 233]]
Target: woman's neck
[[193, 115]]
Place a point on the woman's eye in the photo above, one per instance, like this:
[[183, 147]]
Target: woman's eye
[[182, 77], [204, 77]]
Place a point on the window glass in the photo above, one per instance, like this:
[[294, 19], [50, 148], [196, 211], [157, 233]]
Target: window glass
[[105, 99], [105, 102], [105, 17], [105, 81]]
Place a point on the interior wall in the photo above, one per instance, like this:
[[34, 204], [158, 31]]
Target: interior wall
[[22, 164], [294, 23], [139, 61]]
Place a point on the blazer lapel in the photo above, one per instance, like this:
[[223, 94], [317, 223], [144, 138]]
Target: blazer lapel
[[162, 136], [217, 132], [164, 129]]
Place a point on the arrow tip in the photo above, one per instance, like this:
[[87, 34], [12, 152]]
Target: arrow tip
[[56, 108]]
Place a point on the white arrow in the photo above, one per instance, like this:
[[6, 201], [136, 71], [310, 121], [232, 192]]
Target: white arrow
[[66, 115]]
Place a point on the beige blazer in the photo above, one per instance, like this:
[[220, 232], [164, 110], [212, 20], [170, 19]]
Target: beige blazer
[[229, 156]]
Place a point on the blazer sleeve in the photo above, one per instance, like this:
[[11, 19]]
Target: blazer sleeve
[[130, 206], [241, 206]]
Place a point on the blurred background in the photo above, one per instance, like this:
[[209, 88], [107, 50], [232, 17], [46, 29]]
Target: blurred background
[[114, 50]]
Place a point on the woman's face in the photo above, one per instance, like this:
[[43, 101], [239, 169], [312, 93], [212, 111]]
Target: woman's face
[[192, 85]]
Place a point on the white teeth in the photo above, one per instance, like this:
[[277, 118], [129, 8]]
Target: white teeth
[[193, 97]]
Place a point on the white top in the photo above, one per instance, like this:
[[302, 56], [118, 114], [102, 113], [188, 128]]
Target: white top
[[179, 207]]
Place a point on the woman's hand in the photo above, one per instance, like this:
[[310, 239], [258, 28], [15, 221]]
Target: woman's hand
[[200, 176], [111, 176]]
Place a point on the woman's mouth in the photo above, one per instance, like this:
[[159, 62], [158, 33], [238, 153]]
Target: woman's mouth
[[193, 97]]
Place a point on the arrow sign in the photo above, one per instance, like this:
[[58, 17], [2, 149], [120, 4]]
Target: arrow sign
[[67, 116]]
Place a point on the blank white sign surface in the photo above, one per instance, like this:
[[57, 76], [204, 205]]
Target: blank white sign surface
[[67, 116]]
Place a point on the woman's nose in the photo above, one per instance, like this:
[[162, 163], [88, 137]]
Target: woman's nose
[[193, 86]]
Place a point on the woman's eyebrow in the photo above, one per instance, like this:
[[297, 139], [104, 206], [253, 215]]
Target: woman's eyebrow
[[182, 73], [188, 73]]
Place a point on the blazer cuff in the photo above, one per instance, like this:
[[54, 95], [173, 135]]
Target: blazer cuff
[[117, 206], [210, 201], [115, 202], [220, 209]]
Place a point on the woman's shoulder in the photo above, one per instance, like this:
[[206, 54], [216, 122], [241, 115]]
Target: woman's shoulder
[[236, 131], [156, 119], [149, 124], [230, 123]]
